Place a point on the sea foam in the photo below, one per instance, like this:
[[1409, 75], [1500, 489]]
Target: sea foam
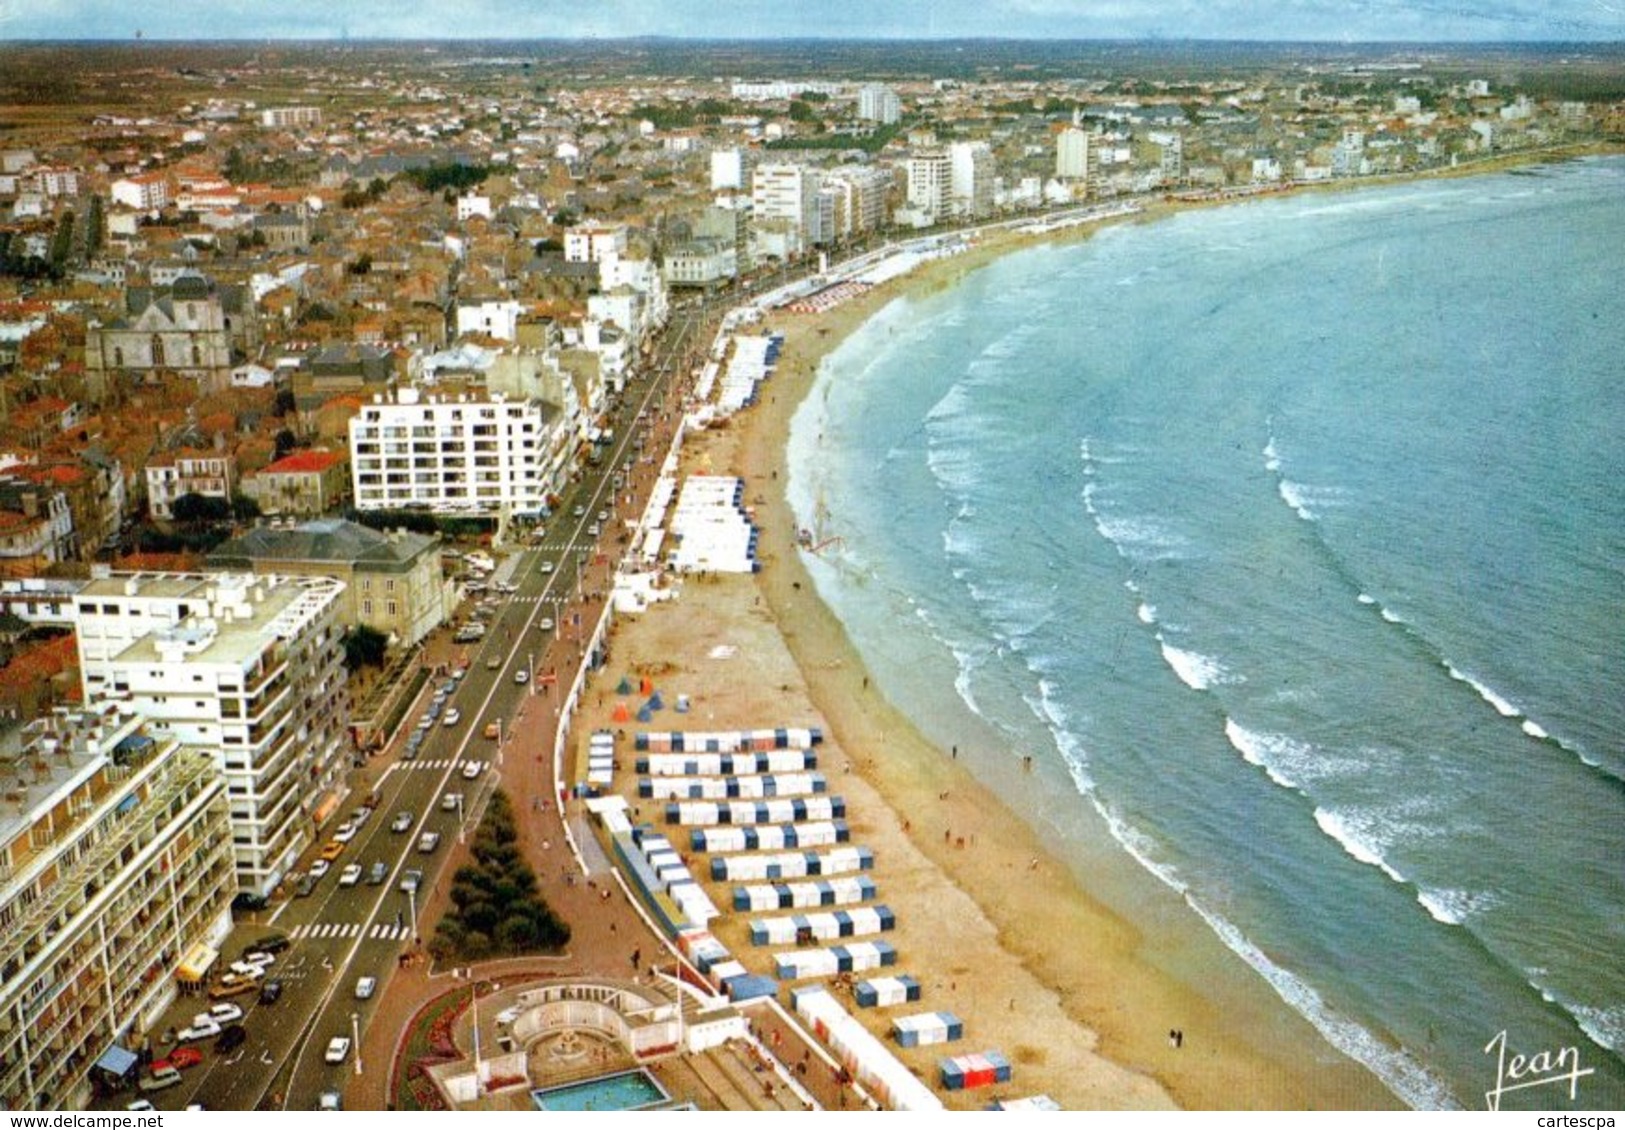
[[1197, 671]]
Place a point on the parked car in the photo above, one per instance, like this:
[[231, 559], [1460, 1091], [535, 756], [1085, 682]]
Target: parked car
[[493, 730], [453, 716], [184, 1058], [317, 869], [261, 958], [494, 663], [338, 1049], [221, 1013], [231, 1038], [350, 876], [451, 802], [247, 901], [271, 943], [157, 1080], [231, 986], [401, 823], [428, 841], [365, 987], [305, 885], [247, 971], [344, 833], [521, 676], [546, 566], [206, 1030]]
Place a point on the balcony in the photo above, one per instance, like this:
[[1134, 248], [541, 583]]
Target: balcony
[[185, 774]]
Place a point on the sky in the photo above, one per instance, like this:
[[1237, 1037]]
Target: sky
[[1326, 20]]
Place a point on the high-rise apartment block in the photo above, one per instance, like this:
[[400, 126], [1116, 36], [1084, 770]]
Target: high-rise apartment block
[[879, 104], [457, 453], [971, 179], [1072, 154], [116, 882], [247, 668]]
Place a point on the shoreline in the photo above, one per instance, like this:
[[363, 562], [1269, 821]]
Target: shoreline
[[1096, 961], [1103, 985]]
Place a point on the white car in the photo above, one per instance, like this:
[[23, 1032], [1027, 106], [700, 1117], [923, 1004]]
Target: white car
[[203, 1027], [521, 677], [338, 1049], [220, 1014], [319, 868], [247, 970], [364, 987], [453, 716], [545, 624], [345, 833], [350, 876], [451, 802], [546, 566], [260, 958], [472, 769]]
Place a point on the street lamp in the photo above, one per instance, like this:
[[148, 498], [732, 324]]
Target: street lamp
[[355, 1038], [462, 828], [412, 900], [532, 669]]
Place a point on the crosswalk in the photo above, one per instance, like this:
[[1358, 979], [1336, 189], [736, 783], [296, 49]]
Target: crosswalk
[[428, 763], [377, 931]]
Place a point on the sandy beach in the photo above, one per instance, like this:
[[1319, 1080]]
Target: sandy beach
[[1019, 943]]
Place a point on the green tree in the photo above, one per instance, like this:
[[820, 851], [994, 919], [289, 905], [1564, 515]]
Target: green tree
[[243, 508], [194, 509], [364, 646]]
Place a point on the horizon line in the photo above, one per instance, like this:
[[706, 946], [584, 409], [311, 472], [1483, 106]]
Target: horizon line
[[347, 40]]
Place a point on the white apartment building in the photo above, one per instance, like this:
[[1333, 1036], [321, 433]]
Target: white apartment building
[[116, 883], [593, 243], [787, 195], [248, 668], [879, 104], [498, 318], [144, 193], [171, 474], [860, 195], [777, 91], [287, 117], [971, 184], [471, 205], [728, 168], [1072, 154], [930, 182], [454, 454]]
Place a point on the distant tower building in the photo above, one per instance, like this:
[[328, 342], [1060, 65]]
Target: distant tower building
[[930, 182], [1173, 159], [728, 168], [1072, 154], [879, 104], [971, 178]]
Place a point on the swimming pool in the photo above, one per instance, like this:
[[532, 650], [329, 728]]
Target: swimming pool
[[628, 1090]]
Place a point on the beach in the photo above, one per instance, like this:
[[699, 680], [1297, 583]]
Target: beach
[[997, 930]]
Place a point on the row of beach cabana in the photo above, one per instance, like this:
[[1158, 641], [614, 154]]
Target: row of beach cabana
[[768, 837], [800, 738], [779, 810], [839, 891], [754, 786], [710, 531]]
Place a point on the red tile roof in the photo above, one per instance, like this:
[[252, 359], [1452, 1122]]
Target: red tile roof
[[303, 462]]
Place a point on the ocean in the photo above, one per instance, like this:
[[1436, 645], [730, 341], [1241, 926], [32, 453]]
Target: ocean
[[1287, 539]]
